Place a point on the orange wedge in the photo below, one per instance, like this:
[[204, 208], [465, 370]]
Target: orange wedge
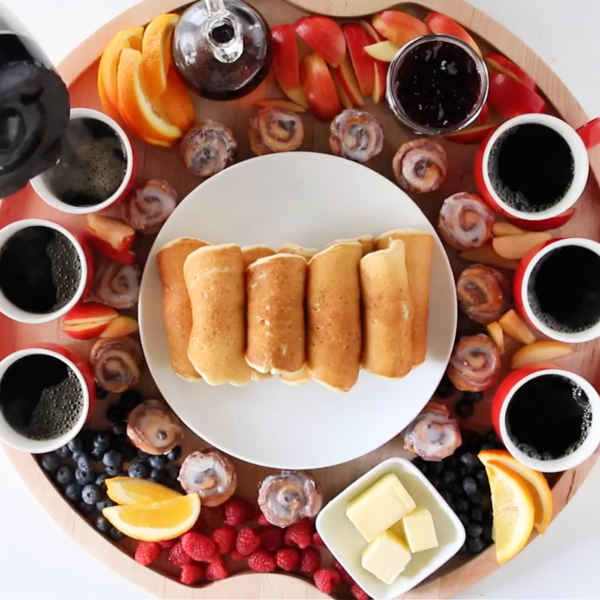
[[177, 103], [146, 118], [130, 490], [108, 68], [156, 53], [157, 521], [109, 108], [536, 482]]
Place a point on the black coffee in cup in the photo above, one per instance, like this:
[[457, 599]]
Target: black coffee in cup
[[531, 167]]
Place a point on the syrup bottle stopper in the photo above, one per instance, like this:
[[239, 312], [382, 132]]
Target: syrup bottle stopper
[[223, 32]]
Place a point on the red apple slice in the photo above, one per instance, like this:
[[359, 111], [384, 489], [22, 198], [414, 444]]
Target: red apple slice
[[439, 23], [398, 27], [120, 327], [383, 51], [515, 327], [115, 233], [505, 66], [381, 70], [515, 247], [286, 63], [345, 74], [341, 92], [470, 135], [511, 98], [125, 257], [545, 224], [324, 36], [356, 41], [486, 255], [502, 229], [590, 133], [495, 332], [319, 88], [371, 31], [88, 320], [539, 352]]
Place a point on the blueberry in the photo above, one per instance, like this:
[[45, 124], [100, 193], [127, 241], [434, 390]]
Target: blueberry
[[75, 445], [104, 504], [492, 438], [472, 440], [73, 492], [475, 545], [112, 459], [473, 396], [50, 462], [470, 486], [174, 454], [85, 462], [63, 452], [97, 455], [64, 476], [143, 456], [92, 494], [157, 475], [112, 471], [451, 462], [487, 532], [102, 441], [436, 482], [463, 549], [474, 530], [435, 468], [448, 476], [119, 429], [87, 437], [469, 460], [445, 389], [464, 471], [476, 499], [476, 515], [420, 464], [139, 470], [101, 393], [86, 509], [115, 414], [457, 489], [174, 472], [100, 481], [128, 453], [488, 446], [464, 409], [118, 440], [115, 534], [103, 524], [462, 505], [158, 462], [447, 496], [129, 400], [84, 477], [464, 519]]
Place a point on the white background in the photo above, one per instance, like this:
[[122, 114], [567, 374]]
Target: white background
[[38, 561]]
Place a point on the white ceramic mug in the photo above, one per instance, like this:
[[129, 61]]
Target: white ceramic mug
[[13, 438], [40, 186], [22, 316]]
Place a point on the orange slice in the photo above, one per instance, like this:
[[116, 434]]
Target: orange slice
[[146, 118], [157, 521], [177, 103], [156, 53], [107, 70], [536, 482], [109, 108], [130, 490]]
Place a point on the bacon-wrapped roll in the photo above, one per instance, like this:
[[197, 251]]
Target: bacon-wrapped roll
[[465, 221], [117, 285], [207, 148], [474, 364], [154, 428], [116, 363], [150, 205], [433, 435], [483, 293], [287, 497], [210, 474], [356, 134], [275, 130], [420, 166]]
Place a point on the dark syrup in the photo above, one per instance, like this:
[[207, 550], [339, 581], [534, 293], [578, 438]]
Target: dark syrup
[[41, 397], [92, 165], [531, 167], [40, 270], [438, 84], [564, 289], [549, 417]]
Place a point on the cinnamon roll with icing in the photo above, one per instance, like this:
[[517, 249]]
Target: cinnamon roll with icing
[[208, 148], [150, 205], [433, 435], [483, 293], [275, 130], [116, 285], [465, 221], [116, 363], [474, 364], [356, 135], [210, 474], [287, 497], [420, 166], [154, 428]]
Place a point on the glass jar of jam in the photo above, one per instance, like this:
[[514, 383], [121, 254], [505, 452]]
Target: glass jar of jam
[[437, 84]]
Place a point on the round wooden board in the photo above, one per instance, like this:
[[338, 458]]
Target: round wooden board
[[79, 71]]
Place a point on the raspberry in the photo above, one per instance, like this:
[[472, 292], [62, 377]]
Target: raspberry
[[191, 574], [215, 557], [358, 592], [262, 521], [247, 541], [237, 512], [198, 546], [178, 556], [147, 552], [310, 561], [262, 561], [235, 555], [271, 538], [343, 573], [216, 571], [317, 541], [224, 538], [327, 580], [299, 534], [287, 558], [167, 544]]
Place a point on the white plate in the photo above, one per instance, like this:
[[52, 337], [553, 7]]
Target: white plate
[[309, 199]]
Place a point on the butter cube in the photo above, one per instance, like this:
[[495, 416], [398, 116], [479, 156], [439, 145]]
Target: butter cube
[[379, 507], [386, 557], [419, 530]]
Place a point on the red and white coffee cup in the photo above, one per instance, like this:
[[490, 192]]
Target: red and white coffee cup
[[579, 141], [506, 392], [523, 300]]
